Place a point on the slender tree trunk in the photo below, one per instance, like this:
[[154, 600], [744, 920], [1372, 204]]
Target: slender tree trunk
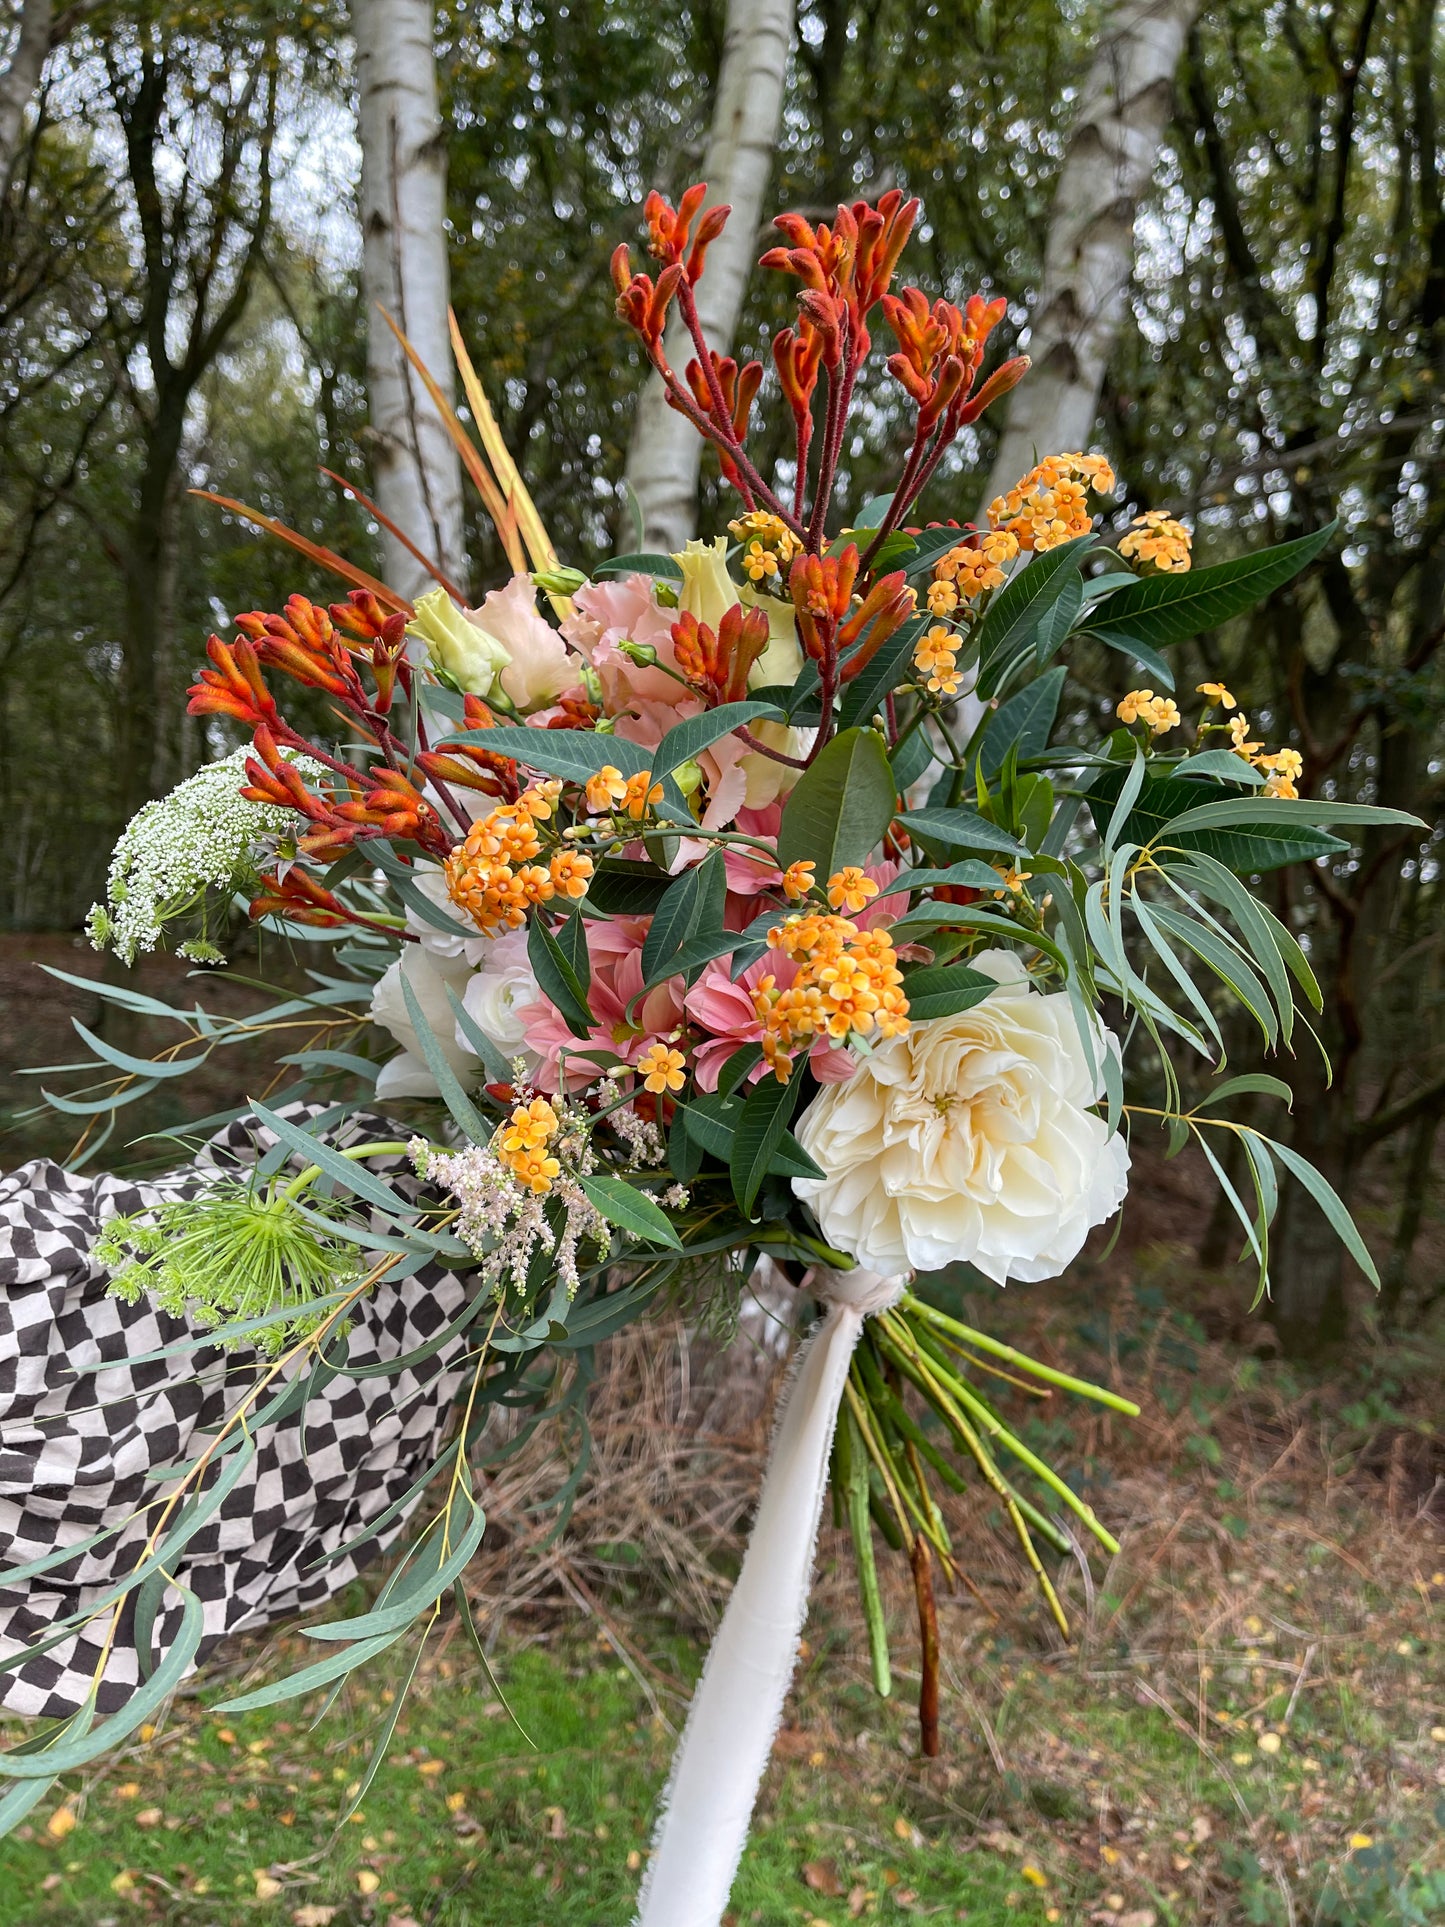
[[404, 271], [19, 81], [142, 721], [663, 461], [1089, 251]]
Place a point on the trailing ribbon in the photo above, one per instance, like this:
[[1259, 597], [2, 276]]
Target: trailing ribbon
[[738, 1704]]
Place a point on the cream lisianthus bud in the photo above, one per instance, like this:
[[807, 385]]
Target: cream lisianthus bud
[[471, 657], [707, 591]]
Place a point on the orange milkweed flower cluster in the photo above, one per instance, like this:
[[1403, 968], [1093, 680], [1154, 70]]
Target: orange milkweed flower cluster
[[1157, 544], [1050, 504], [848, 982], [494, 874]]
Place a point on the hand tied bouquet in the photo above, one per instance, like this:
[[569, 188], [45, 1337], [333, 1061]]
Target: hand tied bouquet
[[729, 907]]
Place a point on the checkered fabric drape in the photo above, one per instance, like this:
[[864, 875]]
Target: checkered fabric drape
[[80, 1450]]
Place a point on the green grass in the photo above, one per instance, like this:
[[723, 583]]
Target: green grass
[[467, 1824]]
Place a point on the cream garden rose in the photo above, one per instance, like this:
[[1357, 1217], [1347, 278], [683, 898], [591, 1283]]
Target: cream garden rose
[[969, 1137]]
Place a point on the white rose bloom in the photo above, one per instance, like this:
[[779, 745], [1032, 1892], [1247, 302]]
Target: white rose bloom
[[406, 1074], [493, 996], [969, 1137]]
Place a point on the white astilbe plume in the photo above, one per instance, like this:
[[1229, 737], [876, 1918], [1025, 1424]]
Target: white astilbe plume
[[204, 837], [504, 1222]]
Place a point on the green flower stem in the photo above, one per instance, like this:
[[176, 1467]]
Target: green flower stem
[[879, 1457], [919, 1367], [1013, 1504], [992, 1426], [983, 1343], [313, 1171], [866, 1413], [852, 1466]]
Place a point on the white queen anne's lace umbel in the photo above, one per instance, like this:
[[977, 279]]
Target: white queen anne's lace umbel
[[204, 836]]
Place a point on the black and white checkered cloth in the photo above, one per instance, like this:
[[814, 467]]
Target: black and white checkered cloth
[[76, 1447]]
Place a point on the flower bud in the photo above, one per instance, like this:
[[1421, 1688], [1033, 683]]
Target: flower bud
[[688, 777], [559, 581], [467, 653], [642, 653]]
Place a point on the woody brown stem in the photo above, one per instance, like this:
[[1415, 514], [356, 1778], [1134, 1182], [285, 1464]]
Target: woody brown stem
[[928, 1740]]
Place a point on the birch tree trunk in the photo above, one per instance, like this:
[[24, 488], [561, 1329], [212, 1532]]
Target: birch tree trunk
[[20, 78], [415, 465], [1124, 108], [666, 451]]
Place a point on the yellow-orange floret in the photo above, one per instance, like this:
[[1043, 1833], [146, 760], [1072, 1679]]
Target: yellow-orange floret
[[661, 1069], [935, 658], [570, 871], [798, 880], [849, 889], [607, 787], [641, 793], [942, 597], [491, 874]]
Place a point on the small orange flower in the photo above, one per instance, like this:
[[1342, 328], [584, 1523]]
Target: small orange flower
[[570, 872], [607, 787], [798, 880], [661, 1069], [849, 889], [1217, 693], [640, 795]]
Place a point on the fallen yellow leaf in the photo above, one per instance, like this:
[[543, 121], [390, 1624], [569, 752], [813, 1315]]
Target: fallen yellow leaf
[[149, 1817], [634, 1861], [314, 1916], [432, 1767], [129, 1791], [1034, 1877], [267, 1887], [147, 1732], [1269, 1742], [367, 1882], [61, 1822], [1359, 1841], [123, 1883], [223, 1734], [456, 1801]]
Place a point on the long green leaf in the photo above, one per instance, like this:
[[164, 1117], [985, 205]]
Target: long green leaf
[[556, 978], [1169, 608], [466, 1114], [146, 1700], [622, 1204], [351, 1173], [758, 1133], [334, 1666], [686, 741], [572, 754], [1331, 1203], [959, 829]]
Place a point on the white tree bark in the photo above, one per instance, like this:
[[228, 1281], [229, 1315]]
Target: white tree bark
[[666, 451], [29, 21], [1124, 108], [416, 468]]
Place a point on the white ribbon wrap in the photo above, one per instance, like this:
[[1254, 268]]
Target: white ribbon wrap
[[738, 1704]]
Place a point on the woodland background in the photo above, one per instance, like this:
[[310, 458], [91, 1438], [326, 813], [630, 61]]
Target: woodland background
[[1221, 232]]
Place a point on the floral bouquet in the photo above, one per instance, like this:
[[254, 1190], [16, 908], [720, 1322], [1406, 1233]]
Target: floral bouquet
[[729, 908]]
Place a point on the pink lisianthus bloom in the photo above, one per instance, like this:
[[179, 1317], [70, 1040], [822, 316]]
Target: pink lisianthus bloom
[[540, 665], [750, 872], [615, 950]]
